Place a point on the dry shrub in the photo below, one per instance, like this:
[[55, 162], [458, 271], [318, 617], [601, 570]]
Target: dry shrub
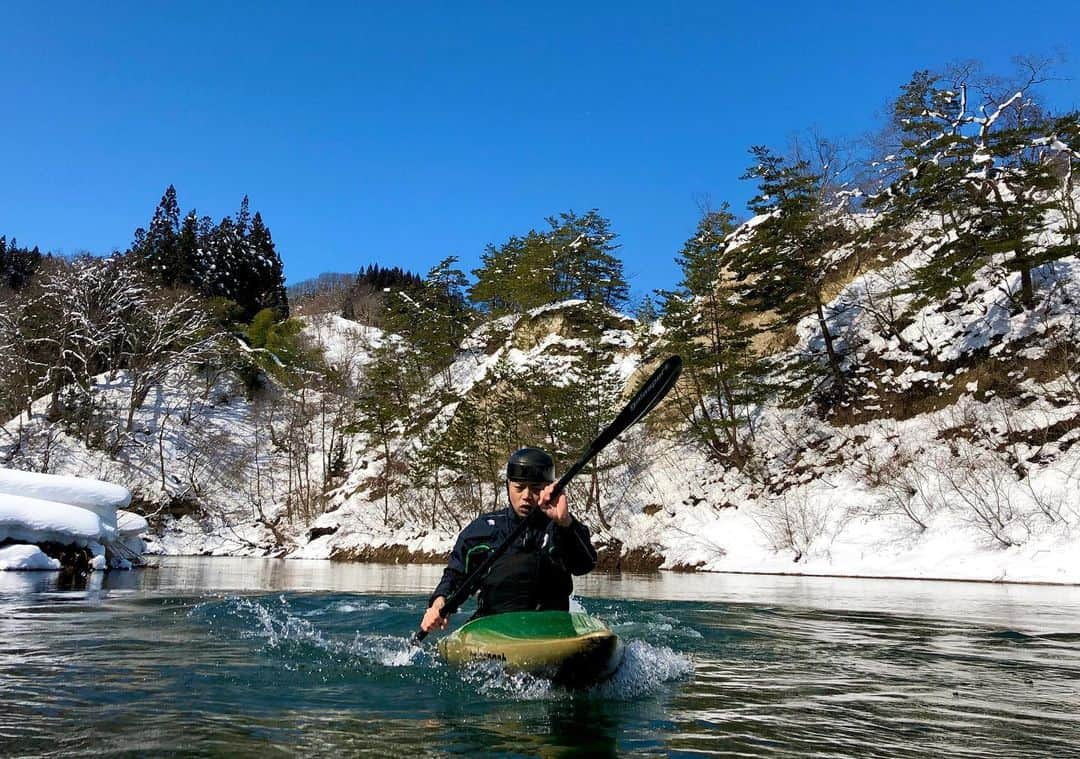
[[900, 474], [792, 522], [979, 487]]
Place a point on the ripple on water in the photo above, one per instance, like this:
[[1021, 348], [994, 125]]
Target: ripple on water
[[332, 673]]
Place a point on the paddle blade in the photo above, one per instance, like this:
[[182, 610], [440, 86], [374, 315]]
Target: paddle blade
[[645, 399]]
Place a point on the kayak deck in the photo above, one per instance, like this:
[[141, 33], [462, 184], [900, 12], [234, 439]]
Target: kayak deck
[[571, 648]]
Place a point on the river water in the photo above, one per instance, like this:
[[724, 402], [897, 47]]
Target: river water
[[245, 657]]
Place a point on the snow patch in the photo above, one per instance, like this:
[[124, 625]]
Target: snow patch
[[26, 557]]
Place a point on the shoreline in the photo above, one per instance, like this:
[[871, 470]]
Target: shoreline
[[430, 560]]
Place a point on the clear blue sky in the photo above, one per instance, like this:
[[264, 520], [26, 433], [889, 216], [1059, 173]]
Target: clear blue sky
[[401, 133]]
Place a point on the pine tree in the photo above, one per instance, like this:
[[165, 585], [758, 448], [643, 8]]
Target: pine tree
[[584, 259], [267, 274], [504, 283], [986, 177], [385, 408], [243, 218], [366, 297], [17, 265], [788, 255], [707, 324], [187, 244], [235, 259], [157, 250], [574, 258], [1025, 156], [926, 180], [1063, 137], [219, 263]]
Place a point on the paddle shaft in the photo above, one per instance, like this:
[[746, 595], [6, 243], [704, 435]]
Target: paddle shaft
[[644, 400]]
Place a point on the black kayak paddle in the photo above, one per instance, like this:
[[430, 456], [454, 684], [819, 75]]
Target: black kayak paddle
[[644, 401]]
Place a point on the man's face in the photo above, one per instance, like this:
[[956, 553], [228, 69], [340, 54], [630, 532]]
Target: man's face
[[524, 496]]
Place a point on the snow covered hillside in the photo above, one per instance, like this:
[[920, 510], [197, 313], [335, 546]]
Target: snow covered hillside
[[952, 456]]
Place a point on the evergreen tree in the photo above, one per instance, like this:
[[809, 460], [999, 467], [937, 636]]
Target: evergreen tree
[[188, 250], [486, 424], [987, 178], [365, 299], [385, 409], [243, 218], [1063, 137], [443, 313], [234, 259], [17, 265], [157, 250], [574, 258], [926, 180], [267, 274], [575, 407], [584, 262], [1016, 197], [219, 263], [783, 264], [707, 324], [505, 284]]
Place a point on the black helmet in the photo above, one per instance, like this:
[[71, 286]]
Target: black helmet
[[530, 465]]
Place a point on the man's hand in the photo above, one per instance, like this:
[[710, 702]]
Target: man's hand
[[433, 618], [557, 511]]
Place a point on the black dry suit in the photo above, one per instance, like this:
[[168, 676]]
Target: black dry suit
[[533, 574]]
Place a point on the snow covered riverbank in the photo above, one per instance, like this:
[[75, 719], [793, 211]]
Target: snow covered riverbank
[[75, 518]]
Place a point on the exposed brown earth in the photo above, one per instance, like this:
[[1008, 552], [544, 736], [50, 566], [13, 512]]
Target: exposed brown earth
[[611, 557], [392, 554]]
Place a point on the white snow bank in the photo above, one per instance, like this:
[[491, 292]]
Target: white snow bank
[[23, 557], [35, 520], [129, 524], [102, 498]]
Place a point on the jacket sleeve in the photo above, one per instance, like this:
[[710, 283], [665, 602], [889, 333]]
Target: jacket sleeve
[[573, 548], [468, 550], [454, 572]]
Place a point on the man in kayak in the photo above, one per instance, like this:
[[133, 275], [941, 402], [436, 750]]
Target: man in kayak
[[535, 573]]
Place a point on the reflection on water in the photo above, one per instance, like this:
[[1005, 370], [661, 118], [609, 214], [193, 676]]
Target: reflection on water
[[226, 657]]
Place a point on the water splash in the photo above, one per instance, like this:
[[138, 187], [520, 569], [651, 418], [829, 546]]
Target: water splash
[[654, 627], [294, 634], [346, 607], [645, 669], [389, 651], [490, 679], [278, 626], [296, 638], [355, 607]]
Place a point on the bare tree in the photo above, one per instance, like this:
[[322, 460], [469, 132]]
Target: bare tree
[[161, 334], [792, 522]]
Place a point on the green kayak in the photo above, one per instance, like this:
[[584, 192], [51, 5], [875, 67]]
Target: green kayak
[[570, 648]]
